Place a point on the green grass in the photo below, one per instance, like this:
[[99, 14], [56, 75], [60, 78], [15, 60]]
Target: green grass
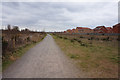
[[73, 56], [91, 57], [17, 54]]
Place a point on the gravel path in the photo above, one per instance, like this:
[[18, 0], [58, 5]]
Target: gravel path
[[45, 60]]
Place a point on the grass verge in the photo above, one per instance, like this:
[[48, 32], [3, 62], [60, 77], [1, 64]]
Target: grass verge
[[96, 61]]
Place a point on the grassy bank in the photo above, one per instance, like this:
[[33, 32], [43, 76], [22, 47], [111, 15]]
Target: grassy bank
[[10, 58], [95, 60]]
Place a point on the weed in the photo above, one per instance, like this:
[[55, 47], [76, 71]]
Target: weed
[[28, 39], [89, 39], [65, 38], [81, 37], [79, 41], [83, 65], [92, 57], [92, 38], [34, 41], [118, 39], [72, 40], [83, 44], [105, 39], [73, 56], [4, 47], [75, 39], [60, 37]]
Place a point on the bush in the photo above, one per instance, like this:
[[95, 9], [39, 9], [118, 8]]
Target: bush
[[90, 42], [81, 37], [83, 44], [72, 40], [89, 39], [28, 39], [92, 38], [4, 47], [65, 38], [79, 41], [105, 39], [118, 39], [75, 39], [34, 41], [60, 37], [72, 56], [54, 34]]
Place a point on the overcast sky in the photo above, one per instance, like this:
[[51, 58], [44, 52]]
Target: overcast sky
[[59, 16]]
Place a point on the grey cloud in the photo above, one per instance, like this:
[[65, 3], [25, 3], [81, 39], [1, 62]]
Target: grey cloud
[[59, 16]]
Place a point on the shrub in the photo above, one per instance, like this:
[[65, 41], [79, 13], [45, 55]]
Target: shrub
[[90, 42], [72, 40], [81, 37], [4, 47], [65, 38], [54, 34], [89, 39], [28, 39], [34, 41], [75, 39], [105, 39], [92, 38], [83, 44], [60, 37], [72, 56], [118, 39], [79, 41]]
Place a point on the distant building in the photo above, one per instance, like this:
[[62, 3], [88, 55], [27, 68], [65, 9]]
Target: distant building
[[64, 31], [100, 29], [69, 31], [116, 28], [109, 30], [83, 30], [73, 30]]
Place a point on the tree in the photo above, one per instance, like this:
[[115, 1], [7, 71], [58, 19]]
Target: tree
[[27, 30], [9, 27], [15, 28]]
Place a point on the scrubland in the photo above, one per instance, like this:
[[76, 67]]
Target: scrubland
[[15, 43], [95, 55]]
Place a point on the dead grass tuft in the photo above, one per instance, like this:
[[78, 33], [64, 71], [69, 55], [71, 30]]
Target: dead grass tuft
[[97, 60]]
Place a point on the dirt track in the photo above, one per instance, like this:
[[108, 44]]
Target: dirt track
[[45, 60]]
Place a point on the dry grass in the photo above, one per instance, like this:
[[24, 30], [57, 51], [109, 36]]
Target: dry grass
[[96, 60], [12, 56]]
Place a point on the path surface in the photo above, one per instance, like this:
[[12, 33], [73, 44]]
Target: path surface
[[45, 60]]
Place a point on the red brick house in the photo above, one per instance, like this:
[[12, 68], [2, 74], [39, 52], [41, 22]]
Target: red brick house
[[69, 31], [83, 30], [64, 31], [73, 30], [109, 30], [116, 28], [100, 29]]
